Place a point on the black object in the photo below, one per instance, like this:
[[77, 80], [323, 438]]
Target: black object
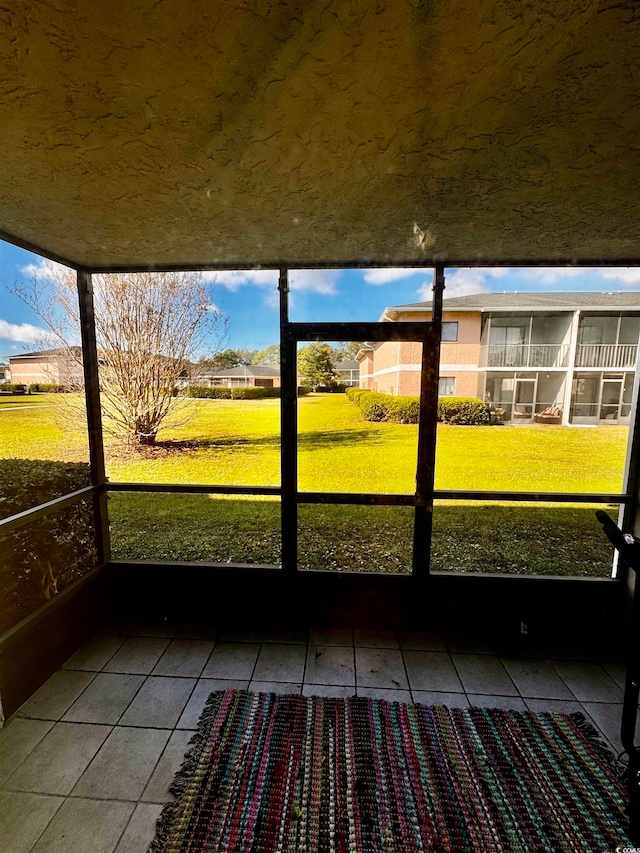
[[628, 547]]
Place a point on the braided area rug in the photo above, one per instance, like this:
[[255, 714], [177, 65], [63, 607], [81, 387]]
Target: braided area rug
[[291, 773]]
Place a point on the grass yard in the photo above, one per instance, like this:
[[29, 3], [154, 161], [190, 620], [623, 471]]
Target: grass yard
[[9, 401], [237, 442]]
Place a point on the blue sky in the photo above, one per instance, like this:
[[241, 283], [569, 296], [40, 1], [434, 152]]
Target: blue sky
[[250, 299]]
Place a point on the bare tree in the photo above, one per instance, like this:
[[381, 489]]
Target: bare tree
[[150, 328]]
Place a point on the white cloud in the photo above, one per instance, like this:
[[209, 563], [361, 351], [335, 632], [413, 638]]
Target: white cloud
[[314, 281], [382, 276], [549, 275], [43, 270], [495, 272], [272, 299], [465, 282], [622, 277], [235, 279], [25, 332], [626, 276]]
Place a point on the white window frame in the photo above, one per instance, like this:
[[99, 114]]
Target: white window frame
[[447, 379], [453, 325]]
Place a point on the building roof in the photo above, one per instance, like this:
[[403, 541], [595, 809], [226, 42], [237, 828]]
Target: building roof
[[179, 132], [347, 365], [248, 370], [538, 301], [47, 353]]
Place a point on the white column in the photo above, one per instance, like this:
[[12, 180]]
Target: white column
[[571, 362]]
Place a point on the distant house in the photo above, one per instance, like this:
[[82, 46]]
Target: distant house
[[52, 366], [567, 356], [257, 375], [268, 375], [5, 373], [349, 372]]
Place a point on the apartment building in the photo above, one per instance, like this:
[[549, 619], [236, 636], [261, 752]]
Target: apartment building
[[259, 376], [523, 353], [53, 366], [268, 376]]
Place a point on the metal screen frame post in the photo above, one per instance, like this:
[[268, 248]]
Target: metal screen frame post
[[94, 413], [427, 429], [288, 433], [631, 483]]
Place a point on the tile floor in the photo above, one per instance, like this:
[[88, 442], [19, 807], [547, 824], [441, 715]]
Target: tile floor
[[86, 763]]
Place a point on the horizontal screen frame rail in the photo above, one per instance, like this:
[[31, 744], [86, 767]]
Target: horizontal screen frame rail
[[398, 499], [20, 519], [409, 331], [192, 488]]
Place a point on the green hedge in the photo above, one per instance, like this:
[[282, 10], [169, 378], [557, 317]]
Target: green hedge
[[338, 388], [205, 392], [383, 407], [249, 392], [241, 392], [13, 388], [42, 558], [25, 483], [462, 410], [406, 410], [354, 394], [46, 388]]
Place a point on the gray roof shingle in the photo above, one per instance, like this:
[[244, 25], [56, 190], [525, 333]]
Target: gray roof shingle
[[557, 299]]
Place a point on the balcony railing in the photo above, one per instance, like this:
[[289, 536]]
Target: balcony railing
[[606, 355], [524, 355]]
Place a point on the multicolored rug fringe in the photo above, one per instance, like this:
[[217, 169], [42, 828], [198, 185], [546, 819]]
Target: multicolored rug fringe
[[272, 773]]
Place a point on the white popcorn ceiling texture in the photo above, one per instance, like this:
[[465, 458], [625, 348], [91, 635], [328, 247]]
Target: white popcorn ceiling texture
[[187, 131]]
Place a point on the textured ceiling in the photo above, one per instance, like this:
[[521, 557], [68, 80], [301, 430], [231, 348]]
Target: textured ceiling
[[179, 132]]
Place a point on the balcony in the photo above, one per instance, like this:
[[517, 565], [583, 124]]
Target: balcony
[[607, 355], [524, 355]]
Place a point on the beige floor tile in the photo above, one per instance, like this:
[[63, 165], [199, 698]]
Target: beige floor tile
[[17, 739], [58, 761], [141, 829], [56, 696], [23, 819], [124, 765], [85, 826]]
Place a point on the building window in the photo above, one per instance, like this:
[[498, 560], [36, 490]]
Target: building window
[[447, 386], [450, 332]]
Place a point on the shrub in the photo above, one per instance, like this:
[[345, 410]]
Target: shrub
[[303, 390], [356, 393], [406, 410], [373, 406], [462, 410], [25, 483], [402, 410], [241, 392], [205, 392], [338, 388], [46, 388], [40, 559], [249, 392], [13, 388]]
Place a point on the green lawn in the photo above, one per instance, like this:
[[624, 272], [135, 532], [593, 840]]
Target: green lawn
[[8, 401], [237, 442]]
